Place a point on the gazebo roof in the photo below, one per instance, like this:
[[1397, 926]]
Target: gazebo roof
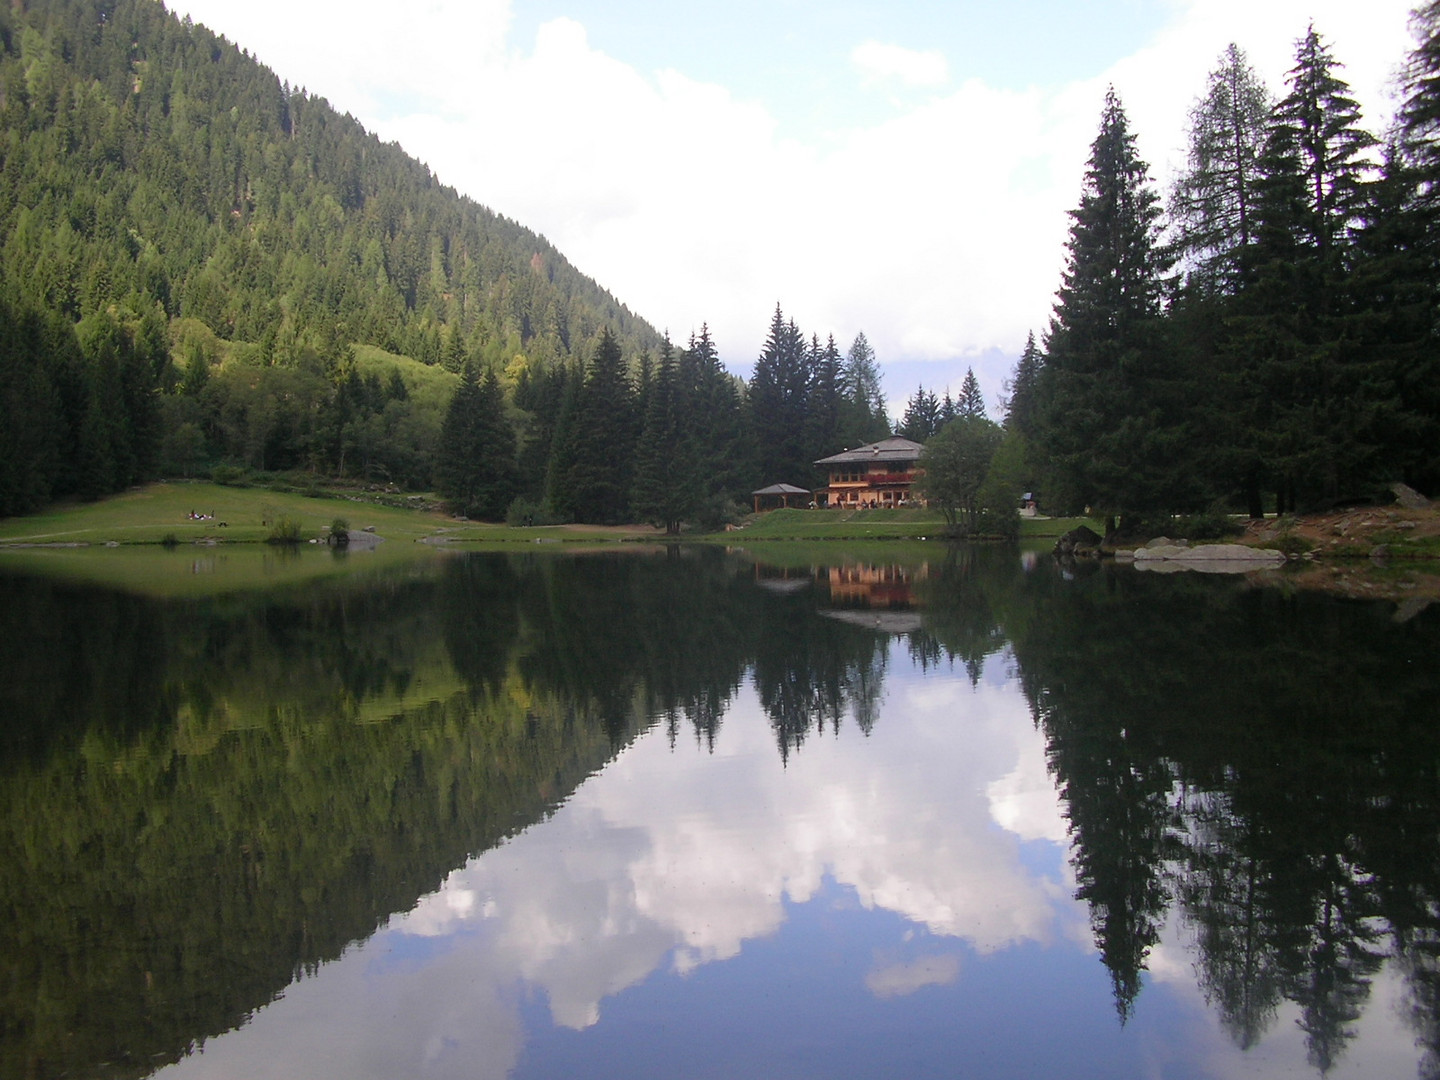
[[782, 489], [893, 449]]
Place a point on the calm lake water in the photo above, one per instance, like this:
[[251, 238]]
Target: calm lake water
[[689, 814]]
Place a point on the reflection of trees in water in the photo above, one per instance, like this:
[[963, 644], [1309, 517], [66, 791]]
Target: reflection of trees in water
[[284, 792], [959, 596], [1268, 766], [671, 638], [629, 638], [1266, 762], [1223, 892], [812, 672]]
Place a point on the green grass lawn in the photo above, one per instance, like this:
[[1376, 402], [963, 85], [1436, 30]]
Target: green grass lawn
[[148, 514], [909, 524], [155, 512]]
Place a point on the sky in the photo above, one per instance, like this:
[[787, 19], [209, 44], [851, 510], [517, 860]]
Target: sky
[[901, 169]]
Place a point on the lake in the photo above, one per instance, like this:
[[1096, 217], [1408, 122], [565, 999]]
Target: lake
[[902, 811]]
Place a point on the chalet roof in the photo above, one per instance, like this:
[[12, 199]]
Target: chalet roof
[[893, 449], [782, 489]]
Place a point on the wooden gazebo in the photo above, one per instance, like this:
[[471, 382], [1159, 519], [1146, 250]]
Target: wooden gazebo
[[783, 492]]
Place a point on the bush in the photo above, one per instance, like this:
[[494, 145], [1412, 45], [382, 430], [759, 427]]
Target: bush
[[524, 511], [1290, 544], [719, 512], [1212, 525], [340, 532], [286, 530], [229, 475]]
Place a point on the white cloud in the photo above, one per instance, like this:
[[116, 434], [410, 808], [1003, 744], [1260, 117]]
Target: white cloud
[[879, 62], [938, 230]]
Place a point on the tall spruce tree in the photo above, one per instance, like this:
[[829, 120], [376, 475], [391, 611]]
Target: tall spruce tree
[[972, 402], [1022, 408], [823, 415], [1402, 248], [1420, 114], [1313, 395], [1324, 121], [1108, 425], [598, 477], [922, 415], [666, 488], [1213, 203], [864, 417], [779, 400], [1216, 208], [713, 416], [476, 472]]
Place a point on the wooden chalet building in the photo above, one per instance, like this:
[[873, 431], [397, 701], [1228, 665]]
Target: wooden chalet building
[[880, 474]]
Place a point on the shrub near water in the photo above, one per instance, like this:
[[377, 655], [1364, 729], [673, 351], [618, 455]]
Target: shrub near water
[[286, 530]]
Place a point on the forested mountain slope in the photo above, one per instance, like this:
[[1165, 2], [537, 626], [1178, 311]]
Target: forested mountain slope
[[162, 189], [147, 155]]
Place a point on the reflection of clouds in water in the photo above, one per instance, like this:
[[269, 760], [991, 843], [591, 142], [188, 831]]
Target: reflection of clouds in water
[[370, 1015], [1023, 800], [437, 913], [906, 977], [652, 859], [676, 858]]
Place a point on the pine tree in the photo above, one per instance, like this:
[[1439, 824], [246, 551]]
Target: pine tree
[[1023, 406], [1310, 391], [864, 417], [922, 416], [598, 479], [1420, 114], [948, 409], [475, 472], [822, 416], [666, 488], [30, 415], [1108, 426], [709, 405], [1324, 122], [779, 400], [972, 402], [1402, 249]]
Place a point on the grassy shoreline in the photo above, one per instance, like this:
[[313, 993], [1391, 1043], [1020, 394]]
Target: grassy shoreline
[[161, 512], [208, 558]]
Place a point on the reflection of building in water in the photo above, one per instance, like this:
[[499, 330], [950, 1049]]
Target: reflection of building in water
[[878, 597], [783, 579], [873, 586]]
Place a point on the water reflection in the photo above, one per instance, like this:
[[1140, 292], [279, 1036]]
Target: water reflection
[[506, 813]]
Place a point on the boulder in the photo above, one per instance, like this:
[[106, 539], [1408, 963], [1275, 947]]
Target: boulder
[[1208, 558], [1079, 540], [1408, 497]]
